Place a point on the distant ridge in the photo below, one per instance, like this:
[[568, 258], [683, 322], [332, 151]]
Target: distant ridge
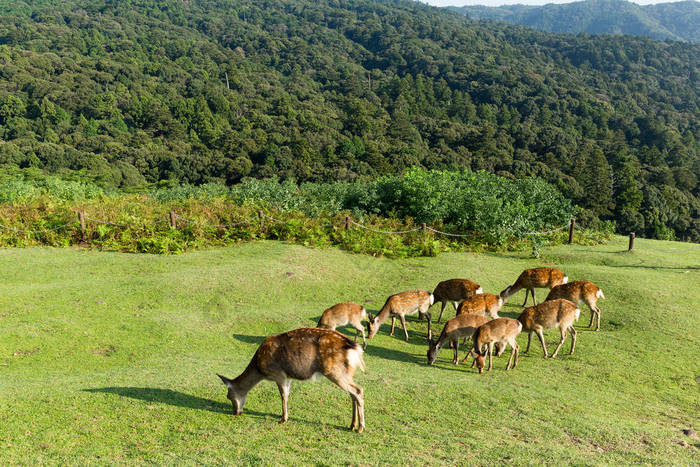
[[678, 21]]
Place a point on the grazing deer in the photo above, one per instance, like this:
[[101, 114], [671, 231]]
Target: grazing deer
[[454, 290], [559, 313], [302, 354], [530, 279], [500, 332], [580, 292], [342, 314], [483, 303], [402, 304], [461, 326]]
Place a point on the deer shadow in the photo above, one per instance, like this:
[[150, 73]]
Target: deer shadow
[[167, 397], [249, 339]]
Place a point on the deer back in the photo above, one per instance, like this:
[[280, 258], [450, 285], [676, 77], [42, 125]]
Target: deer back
[[302, 353], [484, 303], [456, 289], [341, 314], [549, 314]]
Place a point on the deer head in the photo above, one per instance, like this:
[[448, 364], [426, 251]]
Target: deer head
[[236, 397]]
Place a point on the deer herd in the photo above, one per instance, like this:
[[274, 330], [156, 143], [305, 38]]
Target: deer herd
[[307, 353]]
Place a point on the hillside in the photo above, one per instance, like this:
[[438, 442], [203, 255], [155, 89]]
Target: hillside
[[132, 92], [111, 358], [678, 21]]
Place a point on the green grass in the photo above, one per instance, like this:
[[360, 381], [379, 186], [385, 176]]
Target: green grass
[[111, 358]]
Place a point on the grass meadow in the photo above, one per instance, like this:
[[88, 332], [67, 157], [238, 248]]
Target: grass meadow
[[110, 358]]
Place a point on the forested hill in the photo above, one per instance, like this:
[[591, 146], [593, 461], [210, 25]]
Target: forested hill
[[134, 91], [675, 20]]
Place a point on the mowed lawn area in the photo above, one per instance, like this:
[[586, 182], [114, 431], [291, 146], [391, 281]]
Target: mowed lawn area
[[112, 358]]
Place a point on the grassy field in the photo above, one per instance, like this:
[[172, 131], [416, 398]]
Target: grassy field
[[111, 358]]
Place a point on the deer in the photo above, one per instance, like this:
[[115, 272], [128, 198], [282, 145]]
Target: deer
[[499, 332], [344, 313], [455, 291], [461, 326], [580, 292], [402, 304], [486, 304], [550, 314], [530, 279], [302, 354]]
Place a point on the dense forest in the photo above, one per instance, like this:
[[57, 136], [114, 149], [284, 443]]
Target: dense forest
[[130, 92], [674, 20]]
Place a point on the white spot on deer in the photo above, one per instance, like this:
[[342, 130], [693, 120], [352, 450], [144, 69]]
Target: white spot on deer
[[479, 290], [566, 279], [578, 313], [354, 357], [599, 294], [432, 299]]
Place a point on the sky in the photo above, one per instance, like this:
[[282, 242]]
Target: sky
[[523, 2]]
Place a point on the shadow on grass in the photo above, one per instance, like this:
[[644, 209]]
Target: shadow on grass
[[180, 399], [249, 339]]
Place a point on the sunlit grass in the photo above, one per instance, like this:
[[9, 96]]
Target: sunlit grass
[[111, 358]]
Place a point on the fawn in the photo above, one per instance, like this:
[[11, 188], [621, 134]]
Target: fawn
[[580, 292], [302, 354], [402, 304], [530, 279], [559, 313], [461, 326], [499, 332], [343, 313], [454, 290]]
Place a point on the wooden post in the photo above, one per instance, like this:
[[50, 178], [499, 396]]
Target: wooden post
[[347, 222], [81, 218], [571, 230], [631, 242], [260, 215], [424, 227], [173, 220]]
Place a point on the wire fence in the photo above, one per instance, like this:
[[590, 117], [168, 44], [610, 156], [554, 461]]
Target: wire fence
[[173, 219]]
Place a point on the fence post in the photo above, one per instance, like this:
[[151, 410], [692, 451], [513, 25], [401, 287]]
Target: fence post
[[173, 220], [424, 227], [260, 215], [347, 222], [631, 245], [81, 218], [571, 230]]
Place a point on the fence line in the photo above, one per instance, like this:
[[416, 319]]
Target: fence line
[[13, 229]]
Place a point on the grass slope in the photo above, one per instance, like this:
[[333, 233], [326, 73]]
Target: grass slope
[[110, 358]]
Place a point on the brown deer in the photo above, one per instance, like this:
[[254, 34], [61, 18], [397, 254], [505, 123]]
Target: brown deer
[[559, 313], [402, 304], [486, 304], [343, 313], [499, 332], [530, 279], [302, 354], [580, 292], [461, 326], [454, 290]]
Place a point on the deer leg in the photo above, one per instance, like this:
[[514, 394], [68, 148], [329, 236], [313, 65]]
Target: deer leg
[[592, 315], [403, 324], [527, 292], [529, 338], [534, 300], [563, 338], [540, 334], [364, 341], [393, 320], [430, 330], [444, 304], [283, 386], [490, 351], [358, 401], [516, 348], [573, 339], [357, 332], [455, 360], [597, 313]]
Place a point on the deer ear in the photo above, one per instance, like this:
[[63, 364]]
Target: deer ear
[[225, 380]]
